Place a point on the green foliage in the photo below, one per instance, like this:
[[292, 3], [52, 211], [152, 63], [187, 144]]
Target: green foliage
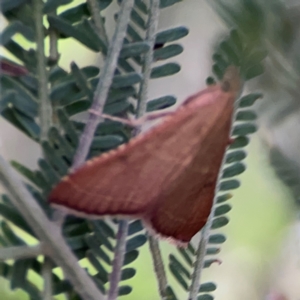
[[71, 92], [231, 51]]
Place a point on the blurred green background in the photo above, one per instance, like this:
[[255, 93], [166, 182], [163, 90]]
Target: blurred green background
[[258, 255]]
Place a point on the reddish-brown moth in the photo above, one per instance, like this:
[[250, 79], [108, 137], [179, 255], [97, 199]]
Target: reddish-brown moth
[[166, 176]]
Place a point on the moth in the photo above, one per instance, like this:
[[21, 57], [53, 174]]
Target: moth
[[167, 176]]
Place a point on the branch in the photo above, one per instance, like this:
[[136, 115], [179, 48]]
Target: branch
[[201, 251], [98, 21], [48, 232], [53, 44], [45, 110], [142, 107], [86, 138], [47, 276], [119, 253], [20, 252], [104, 83], [150, 38], [199, 263], [158, 267]]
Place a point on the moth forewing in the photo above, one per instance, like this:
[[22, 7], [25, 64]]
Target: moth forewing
[[166, 176]]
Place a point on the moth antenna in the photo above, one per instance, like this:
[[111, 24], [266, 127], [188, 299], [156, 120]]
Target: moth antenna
[[231, 81]]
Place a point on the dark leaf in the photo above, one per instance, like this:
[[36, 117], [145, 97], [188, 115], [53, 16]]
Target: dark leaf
[[97, 250], [79, 34], [178, 265], [107, 142], [137, 19], [134, 49], [128, 273], [102, 273], [161, 103], [186, 256], [135, 242], [249, 100], [52, 5], [178, 277], [207, 287], [167, 52], [124, 290], [246, 115], [219, 222], [166, 3], [12, 215], [222, 209], [217, 239], [244, 129], [223, 198], [7, 5], [171, 35], [205, 297], [239, 142], [165, 70], [235, 156], [126, 80], [19, 273], [229, 185], [233, 170], [10, 236], [130, 257], [135, 227]]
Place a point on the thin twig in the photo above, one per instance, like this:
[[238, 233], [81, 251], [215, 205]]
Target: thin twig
[[98, 21], [48, 233], [158, 267], [148, 60], [53, 44], [45, 110], [201, 250], [142, 107], [20, 252], [199, 263], [86, 138], [119, 252], [47, 276], [104, 83], [143, 93]]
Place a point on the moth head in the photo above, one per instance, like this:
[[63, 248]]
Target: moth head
[[231, 81]]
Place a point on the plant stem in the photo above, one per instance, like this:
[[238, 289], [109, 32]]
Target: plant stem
[[86, 138], [98, 21], [150, 38], [53, 44], [104, 83], [158, 267], [199, 263], [45, 109], [47, 276], [119, 252], [20, 252], [48, 233], [201, 250], [142, 107]]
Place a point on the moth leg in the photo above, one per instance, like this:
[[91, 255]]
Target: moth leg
[[134, 122], [157, 115], [129, 122]]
